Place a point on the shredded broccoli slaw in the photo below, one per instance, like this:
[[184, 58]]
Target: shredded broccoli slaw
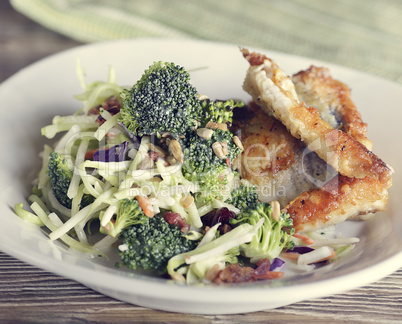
[[99, 172]]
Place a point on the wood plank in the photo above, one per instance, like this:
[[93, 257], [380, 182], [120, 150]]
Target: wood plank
[[28, 292]]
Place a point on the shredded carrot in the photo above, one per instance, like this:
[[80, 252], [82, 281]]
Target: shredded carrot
[[333, 254], [271, 275], [145, 204], [290, 255], [305, 239]]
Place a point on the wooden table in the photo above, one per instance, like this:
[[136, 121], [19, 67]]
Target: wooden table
[[29, 294]]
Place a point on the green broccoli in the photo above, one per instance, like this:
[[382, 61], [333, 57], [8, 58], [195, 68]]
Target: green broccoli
[[163, 100], [60, 170], [211, 185], [273, 236], [203, 166], [199, 154], [129, 213], [244, 196], [213, 249], [149, 246], [218, 111]]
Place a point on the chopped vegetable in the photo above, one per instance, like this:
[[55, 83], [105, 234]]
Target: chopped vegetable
[[151, 167]]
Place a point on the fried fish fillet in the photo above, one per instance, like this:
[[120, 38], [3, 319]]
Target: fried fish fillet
[[280, 165], [341, 198], [274, 91], [284, 169], [361, 185]]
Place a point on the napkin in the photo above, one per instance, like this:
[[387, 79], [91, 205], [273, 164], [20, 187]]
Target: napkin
[[361, 34]]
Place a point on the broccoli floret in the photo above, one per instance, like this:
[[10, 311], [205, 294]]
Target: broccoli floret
[[163, 100], [213, 249], [218, 111], [60, 175], [203, 166], [211, 185], [243, 196], [273, 236], [150, 245], [129, 213], [199, 155]]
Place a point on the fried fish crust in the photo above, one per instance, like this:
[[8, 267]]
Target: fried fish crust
[[361, 184], [280, 165], [275, 93], [332, 98], [340, 199], [283, 169]]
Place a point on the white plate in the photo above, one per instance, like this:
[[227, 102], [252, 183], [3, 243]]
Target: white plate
[[34, 95]]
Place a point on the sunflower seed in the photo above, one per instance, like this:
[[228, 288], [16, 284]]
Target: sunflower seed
[[218, 150], [238, 143], [225, 149], [213, 125], [205, 132], [176, 150], [276, 210], [187, 201]]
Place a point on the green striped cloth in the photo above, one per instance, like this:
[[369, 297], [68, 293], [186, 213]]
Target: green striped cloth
[[362, 34]]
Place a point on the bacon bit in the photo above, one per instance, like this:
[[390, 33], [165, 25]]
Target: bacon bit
[[100, 120], [263, 272], [235, 273], [225, 228], [113, 111], [176, 219], [111, 104], [305, 239], [212, 273], [153, 155], [145, 204], [228, 162], [94, 110], [290, 255]]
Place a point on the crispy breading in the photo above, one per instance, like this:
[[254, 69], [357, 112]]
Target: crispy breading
[[279, 164], [361, 185], [284, 169], [340, 199], [274, 91], [332, 98]]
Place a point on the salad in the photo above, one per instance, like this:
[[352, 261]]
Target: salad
[[149, 172]]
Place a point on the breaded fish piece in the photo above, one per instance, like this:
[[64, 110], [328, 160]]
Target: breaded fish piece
[[361, 185], [332, 98], [280, 165], [283, 169], [274, 91], [340, 199]]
